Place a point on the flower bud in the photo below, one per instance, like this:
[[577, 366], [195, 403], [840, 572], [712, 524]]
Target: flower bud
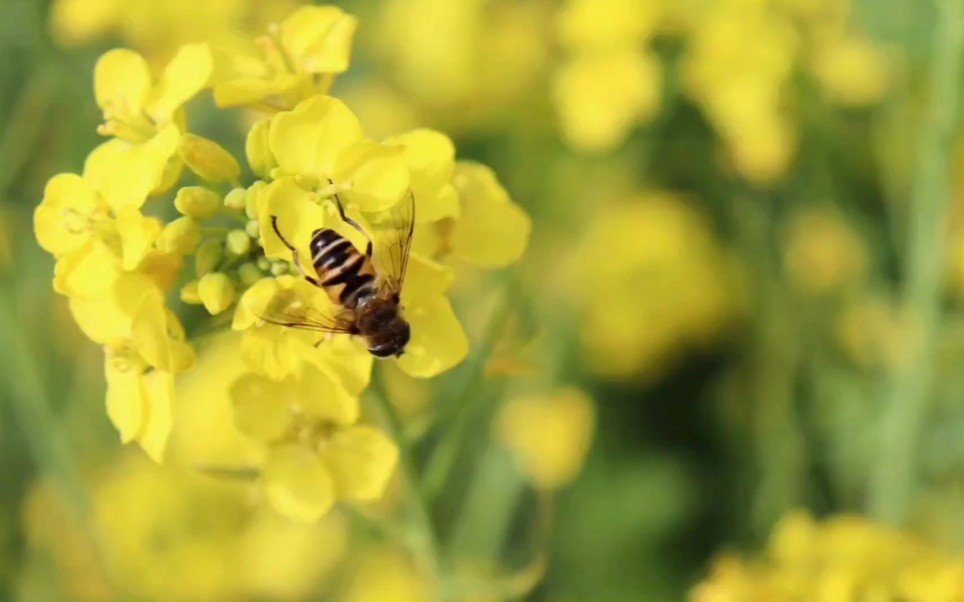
[[208, 159], [236, 199], [208, 256], [216, 292], [249, 274], [197, 202], [253, 198], [256, 148], [180, 236], [189, 293], [238, 243]]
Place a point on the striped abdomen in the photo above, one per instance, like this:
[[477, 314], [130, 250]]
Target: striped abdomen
[[345, 274]]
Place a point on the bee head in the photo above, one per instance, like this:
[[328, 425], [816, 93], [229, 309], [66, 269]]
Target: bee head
[[391, 340]]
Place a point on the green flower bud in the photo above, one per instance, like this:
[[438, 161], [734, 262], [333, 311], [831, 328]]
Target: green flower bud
[[180, 236], [216, 292], [208, 159], [278, 268], [236, 199], [264, 264], [189, 293], [208, 256], [238, 243], [249, 274], [253, 228], [197, 202]]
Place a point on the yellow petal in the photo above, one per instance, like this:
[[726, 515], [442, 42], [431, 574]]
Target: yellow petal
[[138, 234], [257, 150], [319, 38], [346, 360], [376, 173], [425, 280], [124, 173], [309, 139], [262, 406], [186, 75], [253, 302], [438, 341], [160, 417], [273, 351], [324, 398], [360, 460], [297, 217], [492, 231], [88, 271], [149, 329], [208, 159], [79, 22], [110, 317], [431, 159], [549, 434], [126, 398], [60, 221], [297, 484], [251, 90], [122, 81]]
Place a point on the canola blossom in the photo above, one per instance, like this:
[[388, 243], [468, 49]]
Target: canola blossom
[[164, 227], [841, 558]]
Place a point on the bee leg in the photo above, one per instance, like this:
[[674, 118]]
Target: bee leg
[[351, 222], [295, 256]]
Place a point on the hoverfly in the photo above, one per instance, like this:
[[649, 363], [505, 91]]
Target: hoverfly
[[365, 288]]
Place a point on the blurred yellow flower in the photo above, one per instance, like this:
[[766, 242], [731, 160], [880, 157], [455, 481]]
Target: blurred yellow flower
[[159, 29], [611, 82], [850, 69], [822, 253], [740, 89], [461, 65], [841, 559], [296, 60], [549, 434], [386, 576], [177, 523], [650, 280]]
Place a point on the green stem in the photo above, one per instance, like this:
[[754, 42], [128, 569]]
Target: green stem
[[891, 481], [423, 540], [443, 456]]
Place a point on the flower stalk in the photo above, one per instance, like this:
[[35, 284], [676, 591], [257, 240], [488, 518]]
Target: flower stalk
[[892, 479]]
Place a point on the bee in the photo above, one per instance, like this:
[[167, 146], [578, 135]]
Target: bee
[[366, 292]]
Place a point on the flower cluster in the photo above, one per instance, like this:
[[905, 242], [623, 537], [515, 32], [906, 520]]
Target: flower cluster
[[611, 81], [841, 559], [117, 259]]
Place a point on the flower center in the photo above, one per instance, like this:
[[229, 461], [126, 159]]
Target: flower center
[[126, 125]]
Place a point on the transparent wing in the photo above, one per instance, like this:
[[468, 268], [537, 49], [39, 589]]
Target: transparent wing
[[392, 240], [287, 310]]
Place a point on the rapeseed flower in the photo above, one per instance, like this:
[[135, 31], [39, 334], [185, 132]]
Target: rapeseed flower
[[669, 286], [294, 394], [840, 559], [548, 434]]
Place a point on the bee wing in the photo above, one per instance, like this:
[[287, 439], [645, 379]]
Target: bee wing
[[286, 310], [392, 240]]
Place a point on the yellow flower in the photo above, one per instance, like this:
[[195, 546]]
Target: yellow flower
[[322, 140], [822, 253], [136, 108], [851, 70], [297, 59], [669, 286], [316, 454], [600, 98], [159, 29], [204, 529], [611, 82], [386, 576], [841, 559], [549, 434]]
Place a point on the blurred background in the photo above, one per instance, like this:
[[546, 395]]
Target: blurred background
[[740, 308]]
